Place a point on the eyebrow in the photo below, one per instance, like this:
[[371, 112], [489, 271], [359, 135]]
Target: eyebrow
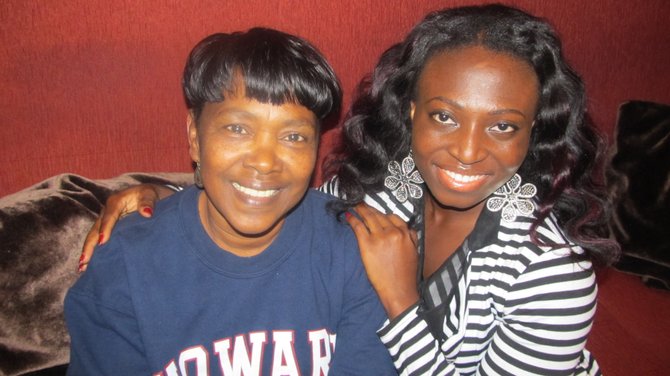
[[460, 106], [250, 115]]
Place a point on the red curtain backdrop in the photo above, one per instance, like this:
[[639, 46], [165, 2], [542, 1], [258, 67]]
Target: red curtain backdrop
[[92, 87]]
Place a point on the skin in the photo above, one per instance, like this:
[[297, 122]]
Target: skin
[[472, 119], [472, 115], [256, 163]]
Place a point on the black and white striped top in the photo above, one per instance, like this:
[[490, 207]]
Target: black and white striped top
[[501, 305]]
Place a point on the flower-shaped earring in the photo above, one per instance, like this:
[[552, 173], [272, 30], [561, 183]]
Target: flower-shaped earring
[[404, 179], [514, 199]]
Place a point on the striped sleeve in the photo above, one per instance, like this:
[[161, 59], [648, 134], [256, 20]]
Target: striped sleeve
[[542, 330], [412, 346], [381, 201], [548, 314], [330, 187]]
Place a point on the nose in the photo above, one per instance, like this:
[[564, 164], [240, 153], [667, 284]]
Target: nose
[[467, 144], [263, 155]]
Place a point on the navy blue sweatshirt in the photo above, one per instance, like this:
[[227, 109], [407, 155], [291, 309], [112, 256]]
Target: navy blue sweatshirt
[[161, 298]]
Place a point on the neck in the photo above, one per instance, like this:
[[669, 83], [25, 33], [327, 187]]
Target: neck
[[449, 216], [445, 230], [229, 239]]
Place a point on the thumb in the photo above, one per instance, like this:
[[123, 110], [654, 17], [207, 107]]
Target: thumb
[[146, 204]]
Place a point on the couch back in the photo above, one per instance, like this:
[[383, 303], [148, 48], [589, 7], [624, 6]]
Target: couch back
[[92, 87]]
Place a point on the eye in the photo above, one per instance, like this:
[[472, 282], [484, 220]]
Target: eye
[[443, 118], [295, 137], [503, 128], [236, 128]]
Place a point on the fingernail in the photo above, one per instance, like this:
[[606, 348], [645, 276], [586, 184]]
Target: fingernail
[[148, 211], [101, 238], [81, 263], [82, 266], [347, 215]]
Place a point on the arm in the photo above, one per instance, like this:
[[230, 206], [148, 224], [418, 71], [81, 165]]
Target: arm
[[140, 198], [358, 350], [388, 250], [541, 330], [547, 313]]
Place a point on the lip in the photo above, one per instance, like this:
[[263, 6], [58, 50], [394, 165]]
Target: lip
[[255, 194], [461, 181], [259, 192]]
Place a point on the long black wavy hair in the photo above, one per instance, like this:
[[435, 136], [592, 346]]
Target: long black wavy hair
[[276, 68], [565, 153]]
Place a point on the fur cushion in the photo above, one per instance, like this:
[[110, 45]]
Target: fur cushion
[[640, 181], [42, 230]]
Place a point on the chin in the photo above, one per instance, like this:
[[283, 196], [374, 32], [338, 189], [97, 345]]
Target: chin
[[459, 201], [253, 229]]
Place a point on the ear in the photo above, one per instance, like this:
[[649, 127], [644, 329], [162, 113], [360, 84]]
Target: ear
[[412, 107], [192, 133]]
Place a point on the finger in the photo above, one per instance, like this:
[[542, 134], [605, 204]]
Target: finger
[[370, 217], [147, 202], [402, 225], [360, 230], [108, 218], [396, 221], [414, 237], [89, 245]]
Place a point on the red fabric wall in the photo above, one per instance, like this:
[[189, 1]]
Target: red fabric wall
[[92, 87]]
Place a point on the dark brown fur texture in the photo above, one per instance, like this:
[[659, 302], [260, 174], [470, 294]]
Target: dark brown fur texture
[[640, 182], [42, 230]]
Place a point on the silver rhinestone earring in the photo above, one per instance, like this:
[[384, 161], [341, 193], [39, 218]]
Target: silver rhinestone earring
[[513, 199], [404, 179]]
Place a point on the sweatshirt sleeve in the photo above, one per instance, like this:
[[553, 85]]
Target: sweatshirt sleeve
[[104, 333], [358, 350], [543, 329]]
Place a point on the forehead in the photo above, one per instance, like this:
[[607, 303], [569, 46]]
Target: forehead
[[236, 105], [479, 73]]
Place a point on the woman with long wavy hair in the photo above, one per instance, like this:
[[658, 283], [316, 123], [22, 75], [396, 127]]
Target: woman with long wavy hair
[[505, 212]]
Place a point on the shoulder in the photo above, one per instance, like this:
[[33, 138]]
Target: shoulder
[[133, 239], [134, 234], [507, 245], [384, 201], [316, 205], [331, 236], [105, 281], [318, 215], [165, 210]]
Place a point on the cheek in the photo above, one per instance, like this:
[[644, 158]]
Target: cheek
[[422, 148], [300, 163], [514, 153], [217, 156], [422, 138]]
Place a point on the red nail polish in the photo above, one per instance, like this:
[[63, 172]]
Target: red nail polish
[[80, 268], [347, 215], [148, 211], [101, 238]]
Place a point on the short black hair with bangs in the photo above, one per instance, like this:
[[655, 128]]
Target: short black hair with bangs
[[276, 68]]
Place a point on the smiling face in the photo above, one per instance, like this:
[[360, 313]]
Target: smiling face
[[471, 123], [256, 161]]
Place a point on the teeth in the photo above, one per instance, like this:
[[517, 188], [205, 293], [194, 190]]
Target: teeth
[[255, 193], [463, 178]]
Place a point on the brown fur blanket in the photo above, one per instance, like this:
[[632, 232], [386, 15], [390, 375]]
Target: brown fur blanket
[[42, 229]]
